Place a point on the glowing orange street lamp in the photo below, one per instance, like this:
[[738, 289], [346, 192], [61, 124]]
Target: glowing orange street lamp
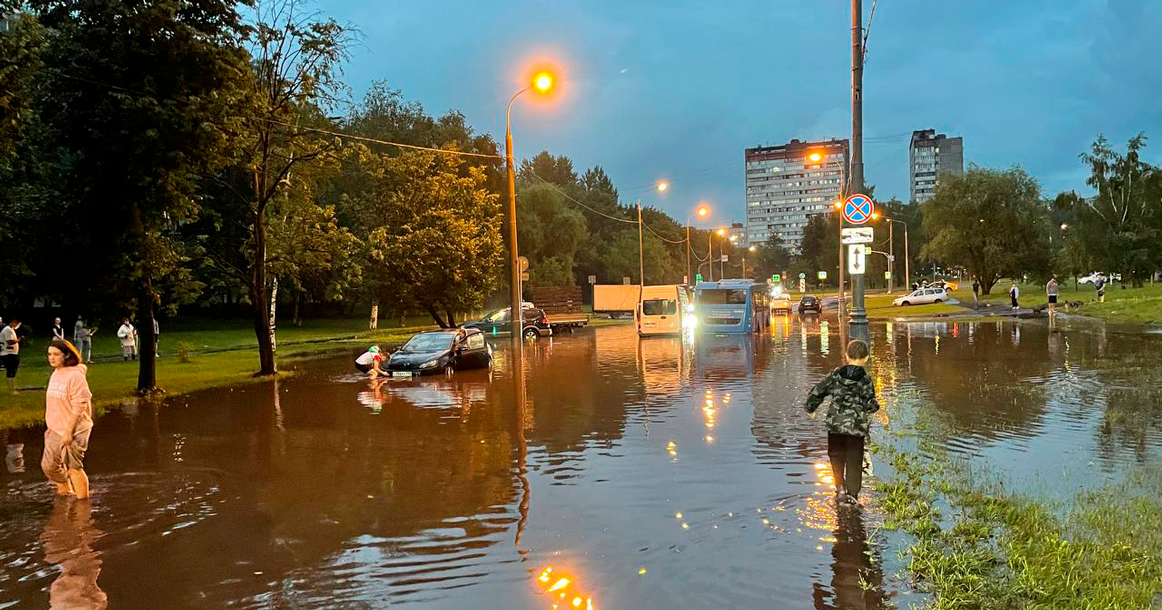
[[815, 157], [542, 82], [662, 186]]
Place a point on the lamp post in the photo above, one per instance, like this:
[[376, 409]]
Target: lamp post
[[907, 256], [816, 157], [641, 259], [703, 211], [542, 82], [721, 253]]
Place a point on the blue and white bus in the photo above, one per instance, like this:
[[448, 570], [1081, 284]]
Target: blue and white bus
[[732, 306]]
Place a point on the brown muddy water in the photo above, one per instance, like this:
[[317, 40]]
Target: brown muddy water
[[622, 473]]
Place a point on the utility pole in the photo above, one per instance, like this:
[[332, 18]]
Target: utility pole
[[689, 278], [641, 257], [891, 259], [858, 312], [516, 312]]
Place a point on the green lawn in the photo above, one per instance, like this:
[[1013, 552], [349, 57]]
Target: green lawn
[[880, 307], [1123, 304], [224, 355]]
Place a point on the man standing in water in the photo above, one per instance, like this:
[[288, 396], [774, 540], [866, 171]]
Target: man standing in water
[[1051, 292], [853, 398]]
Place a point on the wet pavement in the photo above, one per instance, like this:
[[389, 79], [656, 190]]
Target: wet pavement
[[622, 473]]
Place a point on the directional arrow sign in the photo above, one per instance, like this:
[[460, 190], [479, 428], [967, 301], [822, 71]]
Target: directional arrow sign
[[856, 260]]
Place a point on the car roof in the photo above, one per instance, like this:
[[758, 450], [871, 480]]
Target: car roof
[[441, 331]]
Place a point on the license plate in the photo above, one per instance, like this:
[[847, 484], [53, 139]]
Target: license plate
[[401, 373]]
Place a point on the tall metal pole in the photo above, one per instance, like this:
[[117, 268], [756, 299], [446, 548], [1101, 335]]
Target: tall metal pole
[[515, 313], [858, 312], [710, 255], [843, 193], [892, 251], [641, 257], [907, 268], [689, 278]]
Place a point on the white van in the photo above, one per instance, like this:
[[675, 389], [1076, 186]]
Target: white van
[[662, 310]]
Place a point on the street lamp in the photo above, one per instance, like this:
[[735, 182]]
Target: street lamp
[[542, 82], [661, 186], [907, 256], [703, 211]]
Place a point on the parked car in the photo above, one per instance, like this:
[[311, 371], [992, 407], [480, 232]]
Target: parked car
[[922, 296], [781, 303], [1091, 278], [810, 303], [536, 323], [440, 351]]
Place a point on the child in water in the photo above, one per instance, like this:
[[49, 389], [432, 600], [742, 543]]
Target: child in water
[[368, 362], [853, 398]]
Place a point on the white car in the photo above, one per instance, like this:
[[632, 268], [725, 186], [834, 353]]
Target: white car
[[922, 296], [1110, 277]]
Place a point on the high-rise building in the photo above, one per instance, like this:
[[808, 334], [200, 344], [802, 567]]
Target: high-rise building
[[930, 155], [787, 184]]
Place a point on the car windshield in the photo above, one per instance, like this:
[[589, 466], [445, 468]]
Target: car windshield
[[429, 342], [659, 307], [499, 315], [808, 299], [721, 297]]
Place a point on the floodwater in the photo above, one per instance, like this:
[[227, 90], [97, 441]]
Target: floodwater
[[621, 473]]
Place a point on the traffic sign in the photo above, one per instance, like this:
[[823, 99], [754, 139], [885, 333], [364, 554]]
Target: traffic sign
[[625, 280], [858, 235], [775, 279], [593, 279], [698, 278], [524, 276], [524, 263], [725, 258], [802, 276], [857, 209], [856, 259], [887, 275], [802, 284], [822, 275]]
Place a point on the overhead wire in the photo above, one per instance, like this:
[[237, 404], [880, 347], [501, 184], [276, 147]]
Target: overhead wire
[[566, 196]]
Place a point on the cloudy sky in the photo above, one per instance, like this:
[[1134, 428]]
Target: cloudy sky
[[677, 89]]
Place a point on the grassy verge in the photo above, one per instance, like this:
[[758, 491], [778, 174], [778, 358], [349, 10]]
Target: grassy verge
[[880, 307], [1123, 304], [223, 356], [990, 548]]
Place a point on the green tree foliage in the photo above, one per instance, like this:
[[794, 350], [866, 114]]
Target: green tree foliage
[[141, 101], [549, 233], [546, 167], [432, 232], [991, 221], [20, 64], [1119, 228], [770, 258]]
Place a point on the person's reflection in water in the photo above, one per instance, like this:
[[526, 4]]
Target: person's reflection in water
[[372, 397], [13, 452], [68, 540], [856, 580]]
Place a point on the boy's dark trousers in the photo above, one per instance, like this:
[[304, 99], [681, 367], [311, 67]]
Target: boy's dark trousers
[[846, 453]]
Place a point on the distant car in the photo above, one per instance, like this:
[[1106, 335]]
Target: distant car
[[810, 303], [1091, 278], [781, 303], [440, 351], [922, 296], [536, 324]]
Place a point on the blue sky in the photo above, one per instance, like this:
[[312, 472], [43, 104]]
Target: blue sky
[[677, 89]]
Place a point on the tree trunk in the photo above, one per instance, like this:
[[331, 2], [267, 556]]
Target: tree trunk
[[259, 301], [297, 319], [436, 316], [374, 322], [451, 318], [146, 343], [273, 307]]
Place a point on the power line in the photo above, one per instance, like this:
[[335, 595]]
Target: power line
[[385, 142], [566, 196]]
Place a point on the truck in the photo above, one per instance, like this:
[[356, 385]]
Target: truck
[[563, 307], [616, 299]]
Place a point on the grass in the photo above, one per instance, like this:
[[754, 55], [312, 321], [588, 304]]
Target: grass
[[221, 355], [1123, 304], [995, 549], [880, 307]]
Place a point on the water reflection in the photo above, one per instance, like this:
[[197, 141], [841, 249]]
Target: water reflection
[[856, 573], [68, 538]]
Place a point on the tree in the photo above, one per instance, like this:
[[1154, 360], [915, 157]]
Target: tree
[[557, 170], [432, 232], [990, 221], [819, 245], [550, 233], [1118, 229], [20, 64], [770, 258], [595, 180], [141, 102], [296, 67]]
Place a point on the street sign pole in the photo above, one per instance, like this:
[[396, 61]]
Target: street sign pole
[[858, 313]]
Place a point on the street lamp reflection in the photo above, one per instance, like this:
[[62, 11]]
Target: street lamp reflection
[[563, 590]]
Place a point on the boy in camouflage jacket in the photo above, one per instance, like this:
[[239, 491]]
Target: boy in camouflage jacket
[[853, 398]]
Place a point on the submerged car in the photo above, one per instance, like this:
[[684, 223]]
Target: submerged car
[[922, 296], [440, 351], [810, 303], [536, 323]]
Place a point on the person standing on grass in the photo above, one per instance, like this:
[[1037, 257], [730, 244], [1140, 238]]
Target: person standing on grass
[[128, 336], [1100, 285], [1014, 294], [68, 413], [853, 398], [10, 352], [156, 336], [975, 291], [1052, 292], [83, 339], [58, 332]]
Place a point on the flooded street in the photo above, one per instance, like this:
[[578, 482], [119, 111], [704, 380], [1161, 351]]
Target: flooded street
[[648, 473]]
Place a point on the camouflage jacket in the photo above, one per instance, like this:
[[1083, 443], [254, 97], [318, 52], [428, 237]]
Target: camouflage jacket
[[853, 397]]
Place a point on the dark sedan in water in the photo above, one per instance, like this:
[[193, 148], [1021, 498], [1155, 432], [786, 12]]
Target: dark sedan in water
[[810, 303], [441, 351]]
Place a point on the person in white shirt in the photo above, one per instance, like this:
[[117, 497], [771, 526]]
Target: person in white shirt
[[368, 362], [10, 352], [128, 336], [1014, 294]]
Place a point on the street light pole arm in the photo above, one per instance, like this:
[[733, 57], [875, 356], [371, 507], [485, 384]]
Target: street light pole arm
[[508, 112]]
